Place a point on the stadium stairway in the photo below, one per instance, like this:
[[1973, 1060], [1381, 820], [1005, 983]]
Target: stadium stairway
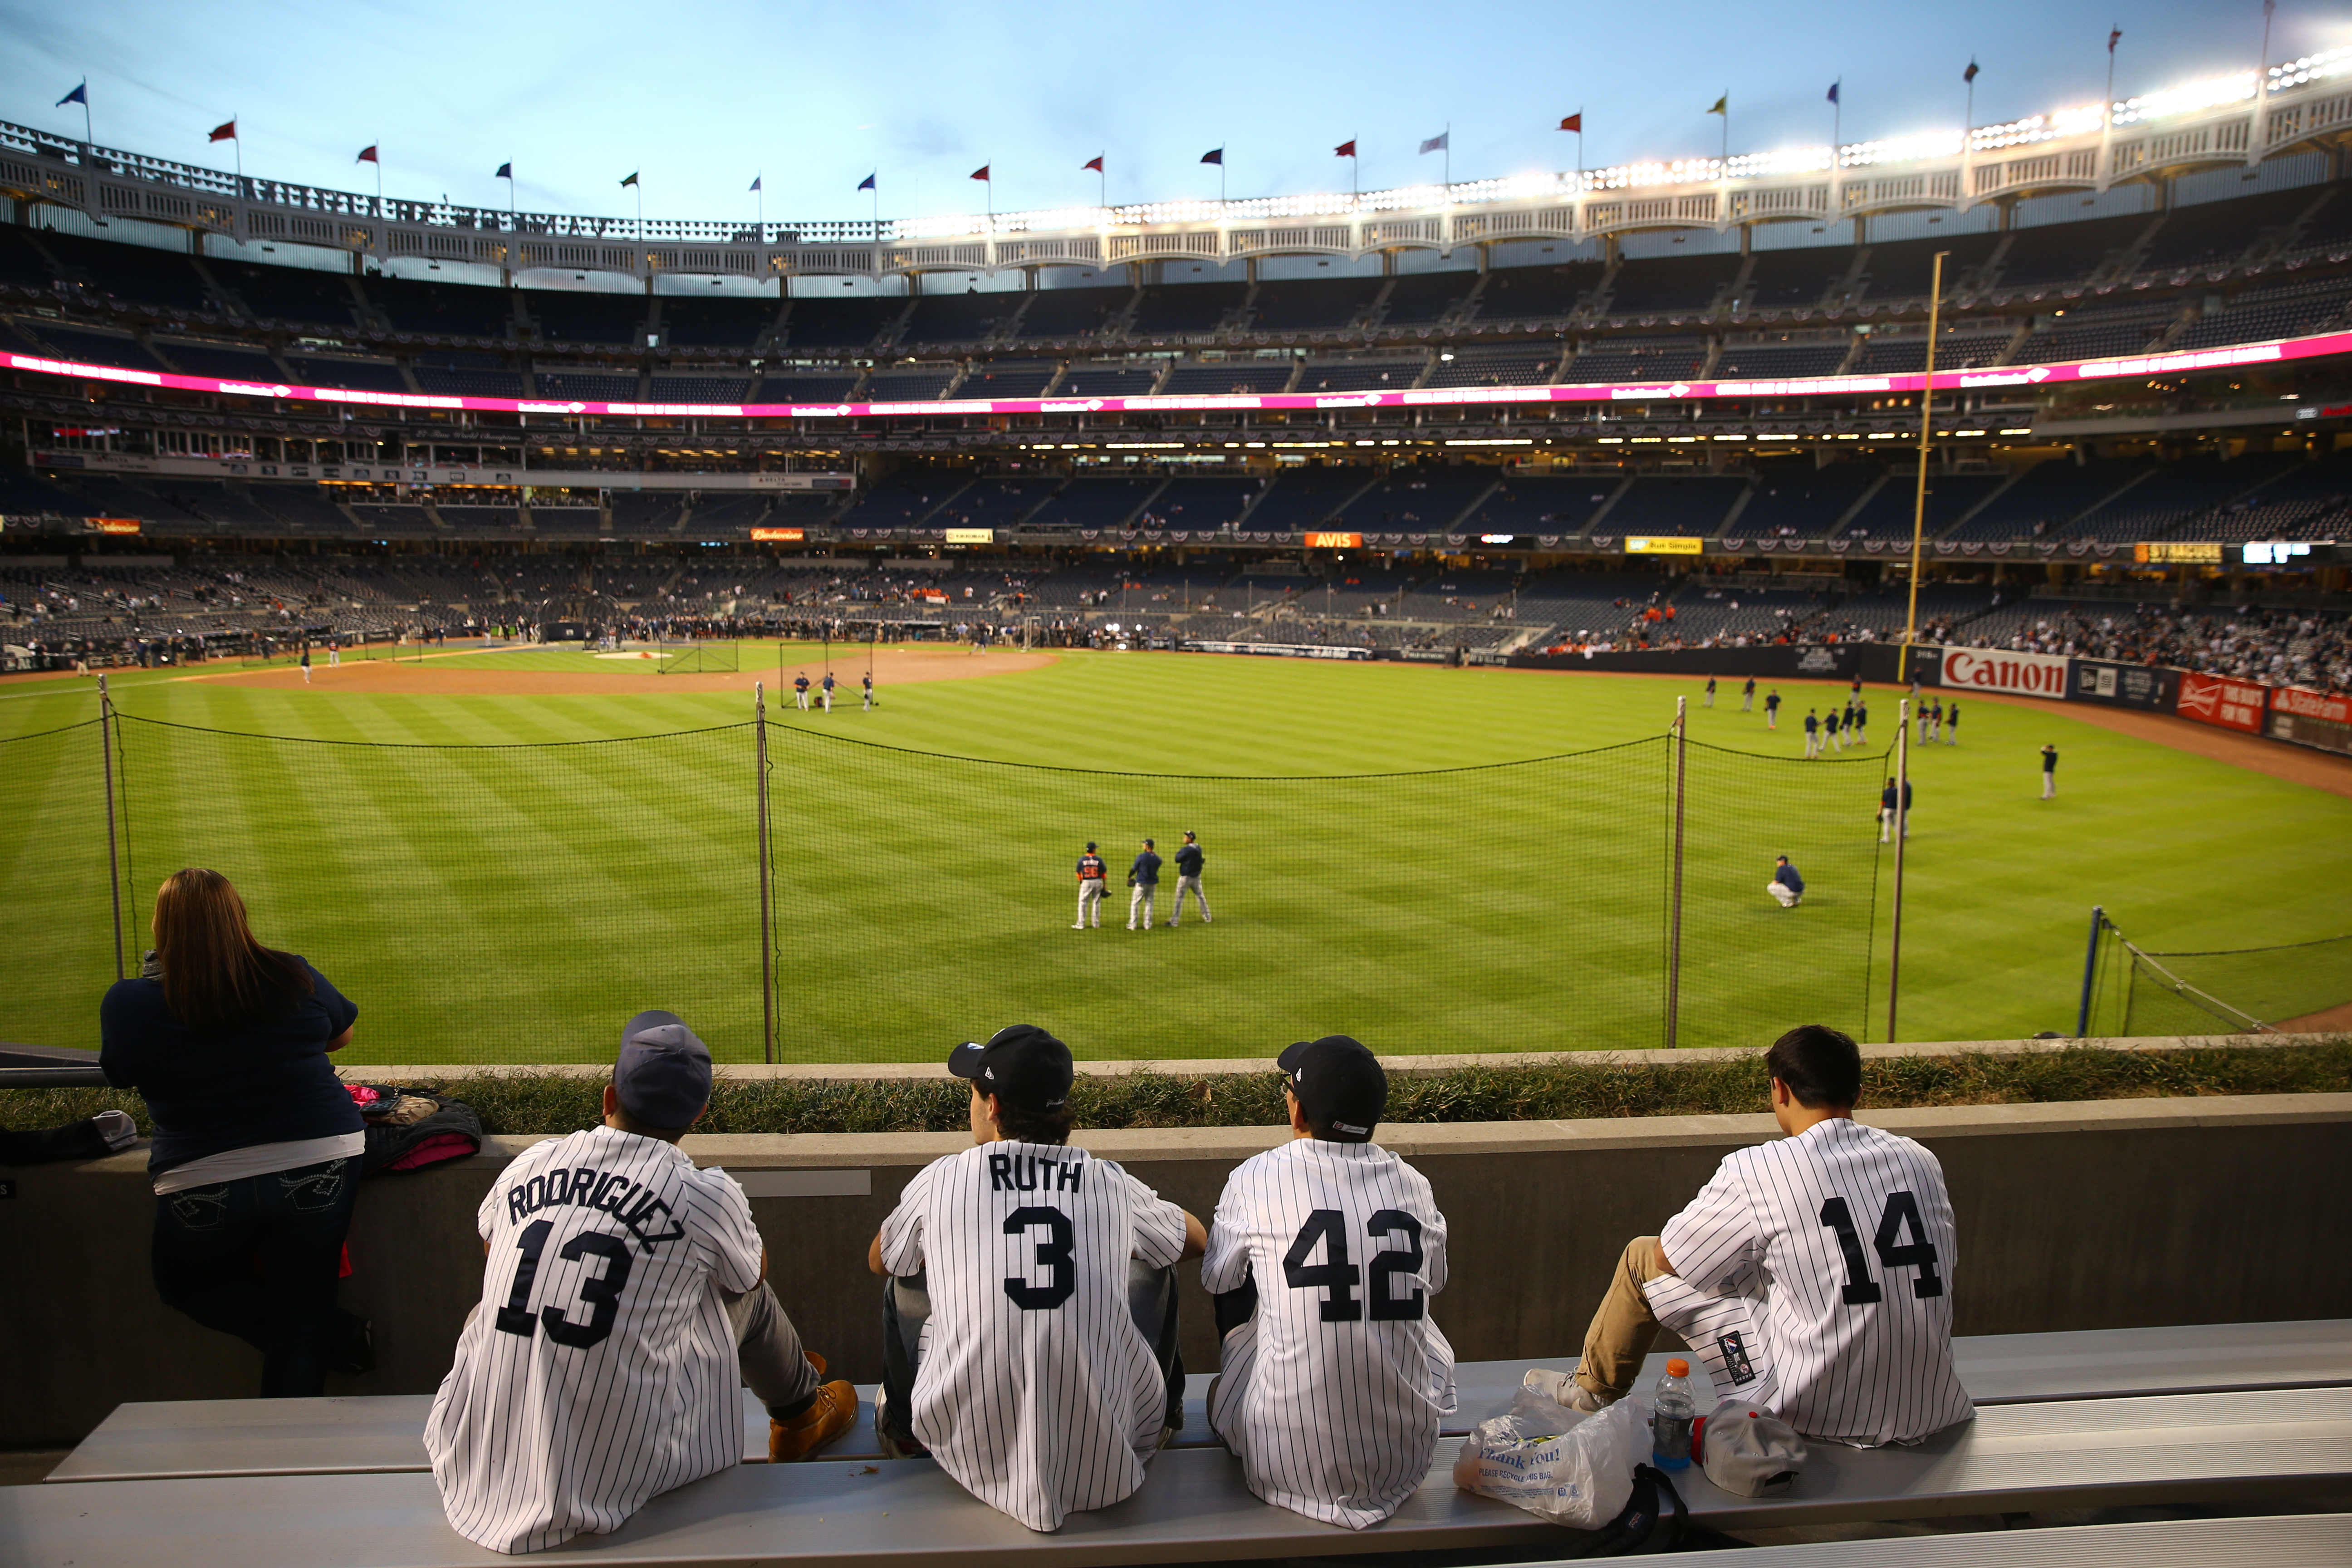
[[2237, 1448]]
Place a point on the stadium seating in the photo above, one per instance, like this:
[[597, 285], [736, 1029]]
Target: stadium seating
[[1304, 499], [591, 387], [2065, 253], [95, 348], [1313, 305], [700, 389], [289, 294], [1955, 349], [219, 361], [1662, 285], [1421, 297], [1089, 501], [1202, 505], [1360, 375], [133, 274], [1800, 502], [1523, 503], [717, 323], [1674, 505], [21, 263], [466, 374], [995, 503], [2098, 333], [359, 375], [1782, 358], [818, 321], [1416, 499], [441, 309], [639, 514], [1798, 278], [2048, 495], [2215, 235], [904, 499], [1888, 513], [2273, 311], [911, 383], [1904, 269], [1001, 379], [1538, 293], [1180, 308], [958, 318], [1112, 380], [1228, 375], [807, 388], [1072, 312], [564, 317], [1636, 359], [1496, 366]]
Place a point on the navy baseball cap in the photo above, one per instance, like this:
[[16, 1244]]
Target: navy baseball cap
[[1338, 1082], [1090, 845], [1021, 1063], [663, 1076]]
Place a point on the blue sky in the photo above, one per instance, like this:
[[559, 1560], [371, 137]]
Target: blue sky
[[701, 97]]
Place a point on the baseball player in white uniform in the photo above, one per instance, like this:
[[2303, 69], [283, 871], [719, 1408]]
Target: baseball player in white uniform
[[1323, 1257], [1029, 1335], [624, 1305], [1813, 1276]]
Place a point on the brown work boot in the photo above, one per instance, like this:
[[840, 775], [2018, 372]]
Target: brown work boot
[[828, 1417]]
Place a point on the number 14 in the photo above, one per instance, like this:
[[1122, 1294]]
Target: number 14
[[1902, 1209]]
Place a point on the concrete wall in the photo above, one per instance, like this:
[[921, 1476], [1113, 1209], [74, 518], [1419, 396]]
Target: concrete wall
[[2109, 1215]]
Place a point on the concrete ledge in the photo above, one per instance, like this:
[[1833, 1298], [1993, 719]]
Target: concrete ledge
[[1212, 1067]]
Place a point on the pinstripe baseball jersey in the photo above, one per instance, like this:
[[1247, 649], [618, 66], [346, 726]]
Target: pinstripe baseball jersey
[[1034, 1388], [1814, 1278], [1330, 1394], [599, 1368]]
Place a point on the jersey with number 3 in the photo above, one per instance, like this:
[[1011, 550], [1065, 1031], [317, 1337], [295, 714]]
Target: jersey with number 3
[[599, 1368], [1331, 1393], [1035, 1388], [1844, 1235]]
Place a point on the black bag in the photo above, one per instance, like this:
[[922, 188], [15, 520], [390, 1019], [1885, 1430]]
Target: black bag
[[1653, 1519], [407, 1130]]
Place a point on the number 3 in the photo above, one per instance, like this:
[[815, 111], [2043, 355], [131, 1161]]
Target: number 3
[[1057, 1255]]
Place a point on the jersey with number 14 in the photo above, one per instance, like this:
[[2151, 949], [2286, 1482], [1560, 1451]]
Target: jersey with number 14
[[1333, 1391], [1844, 1234], [1035, 1388], [599, 1368]]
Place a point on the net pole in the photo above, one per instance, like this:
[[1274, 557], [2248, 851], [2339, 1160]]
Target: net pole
[[767, 908], [2090, 970], [113, 850], [1902, 827], [1920, 498], [1674, 905]]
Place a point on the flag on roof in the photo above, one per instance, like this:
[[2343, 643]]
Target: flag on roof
[[1833, 92], [1721, 106], [1970, 75], [1216, 156], [79, 95], [1346, 149], [1574, 122], [868, 183], [755, 180], [1095, 162], [981, 174], [505, 171], [632, 180], [2115, 37], [1439, 142], [367, 155], [225, 132]]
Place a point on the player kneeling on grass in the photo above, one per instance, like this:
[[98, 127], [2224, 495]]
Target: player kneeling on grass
[[1323, 1256], [625, 1305], [1029, 1324], [1811, 1276]]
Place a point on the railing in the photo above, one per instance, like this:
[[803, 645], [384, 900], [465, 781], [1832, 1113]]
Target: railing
[[2231, 119]]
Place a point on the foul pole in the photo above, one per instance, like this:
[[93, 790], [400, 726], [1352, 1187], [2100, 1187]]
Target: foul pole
[[1902, 837], [1919, 497]]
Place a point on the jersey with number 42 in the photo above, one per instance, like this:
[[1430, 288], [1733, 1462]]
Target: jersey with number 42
[[599, 1368], [1332, 1393], [1842, 1239], [1035, 1388]]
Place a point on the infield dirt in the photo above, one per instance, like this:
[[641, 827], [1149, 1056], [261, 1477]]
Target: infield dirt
[[448, 675]]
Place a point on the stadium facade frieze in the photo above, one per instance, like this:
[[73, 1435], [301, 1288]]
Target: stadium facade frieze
[[2031, 378], [2235, 119]]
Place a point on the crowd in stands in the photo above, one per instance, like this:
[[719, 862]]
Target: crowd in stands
[[2275, 646]]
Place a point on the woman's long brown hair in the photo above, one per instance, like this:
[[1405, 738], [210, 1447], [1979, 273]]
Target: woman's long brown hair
[[216, 975]]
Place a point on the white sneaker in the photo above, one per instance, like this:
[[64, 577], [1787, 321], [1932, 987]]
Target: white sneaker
[[1080, 926], [1562, 1389]]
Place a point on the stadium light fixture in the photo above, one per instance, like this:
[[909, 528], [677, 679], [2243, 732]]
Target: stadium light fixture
[[2235, 87]]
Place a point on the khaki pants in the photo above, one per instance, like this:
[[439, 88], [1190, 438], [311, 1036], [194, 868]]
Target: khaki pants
[[1624, 1327]]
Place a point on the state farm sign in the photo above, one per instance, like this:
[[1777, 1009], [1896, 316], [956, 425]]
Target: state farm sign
[[2232, 704], [1991, 669]]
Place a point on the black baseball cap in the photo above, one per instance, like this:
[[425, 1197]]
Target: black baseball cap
[[1090, 845], [1338, 1082], [663, 1076], [1022, 1064]]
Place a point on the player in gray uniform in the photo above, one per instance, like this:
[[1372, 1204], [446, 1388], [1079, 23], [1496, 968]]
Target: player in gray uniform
[[1335, 1378], [1029, 1324], [1093, 876], [625, 1305], [1143, 880], [1813, 1276], [1188, 879]]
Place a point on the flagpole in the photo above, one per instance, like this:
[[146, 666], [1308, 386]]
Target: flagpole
[[1449, 159], [236, 142], [90, 137]]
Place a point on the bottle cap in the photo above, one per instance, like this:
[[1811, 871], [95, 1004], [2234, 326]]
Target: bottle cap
[[1678, 1368]]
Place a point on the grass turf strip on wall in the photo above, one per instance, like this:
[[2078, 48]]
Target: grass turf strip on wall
[[527, 1102]]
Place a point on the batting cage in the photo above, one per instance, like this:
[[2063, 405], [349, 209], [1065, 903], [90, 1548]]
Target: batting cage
[[2129, 989], [804, 897], [693, 655]]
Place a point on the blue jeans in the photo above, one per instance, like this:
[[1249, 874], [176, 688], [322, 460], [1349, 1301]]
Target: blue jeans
[[258, 1257]]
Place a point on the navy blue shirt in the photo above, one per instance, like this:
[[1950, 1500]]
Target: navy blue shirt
[[1786, 877], [1187, 860], [268, 1081], [1147, 869]]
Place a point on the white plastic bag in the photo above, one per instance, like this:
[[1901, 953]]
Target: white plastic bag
[[1567, 1466]]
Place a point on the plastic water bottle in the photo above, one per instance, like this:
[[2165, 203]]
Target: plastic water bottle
[[1674, 1408]]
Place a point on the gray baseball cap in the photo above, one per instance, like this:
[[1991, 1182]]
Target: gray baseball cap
[[663, 1076], [1748, 1451]]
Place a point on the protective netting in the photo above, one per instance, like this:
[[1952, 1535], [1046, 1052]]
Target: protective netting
[[2134, 990], [481, 902], [693, 656], [59, 956], [517, 902]]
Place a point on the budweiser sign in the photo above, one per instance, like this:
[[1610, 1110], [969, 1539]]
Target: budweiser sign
[[2232, 704], [2021, 674]]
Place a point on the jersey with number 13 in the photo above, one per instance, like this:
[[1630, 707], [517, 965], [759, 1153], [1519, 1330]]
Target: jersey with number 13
[[599, 1368]]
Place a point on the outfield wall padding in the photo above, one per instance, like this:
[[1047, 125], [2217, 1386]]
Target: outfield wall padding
[[1875, 662], [2116, 1213]]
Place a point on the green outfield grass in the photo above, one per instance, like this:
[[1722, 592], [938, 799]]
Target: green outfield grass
[[518, 903]]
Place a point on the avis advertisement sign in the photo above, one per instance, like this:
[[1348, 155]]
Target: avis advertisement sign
[[2311, 719], [1995, 669], [2231, 704], [2122, 685]]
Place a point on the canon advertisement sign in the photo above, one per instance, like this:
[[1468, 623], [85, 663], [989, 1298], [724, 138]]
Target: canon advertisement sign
[[1994, 669]]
